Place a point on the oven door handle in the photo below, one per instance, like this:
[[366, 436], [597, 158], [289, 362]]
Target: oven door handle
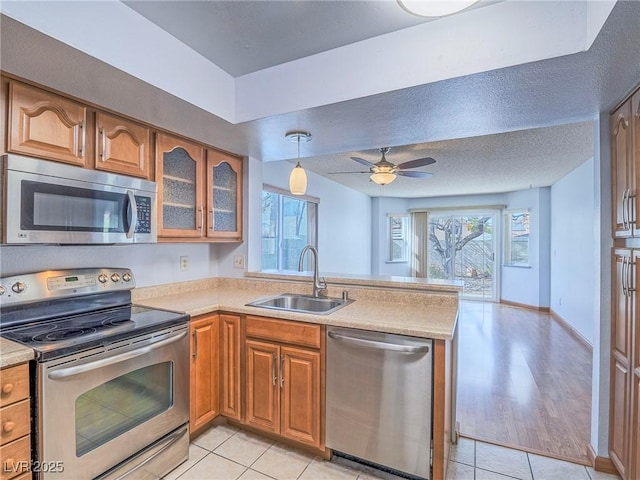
[[87, 367]]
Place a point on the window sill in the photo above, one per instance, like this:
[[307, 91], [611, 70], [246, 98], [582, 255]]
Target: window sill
[[516, 265]]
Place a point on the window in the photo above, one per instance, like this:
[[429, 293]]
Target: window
[[288, 224], [516, 238]]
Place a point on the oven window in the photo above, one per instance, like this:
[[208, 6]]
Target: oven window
[[115, 407]]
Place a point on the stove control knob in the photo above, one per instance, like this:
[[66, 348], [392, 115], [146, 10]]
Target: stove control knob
[[1, 290], [18, 287], [126, 276], [102, 278], [115, 277]]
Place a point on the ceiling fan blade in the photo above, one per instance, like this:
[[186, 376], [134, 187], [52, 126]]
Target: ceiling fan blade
[[362, 161], [418, 162], [333, 173], [415, 174]]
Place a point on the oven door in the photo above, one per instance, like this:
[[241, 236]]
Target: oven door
[[98, 408], [44, 206]]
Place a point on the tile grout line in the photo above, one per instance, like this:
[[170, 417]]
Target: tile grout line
[[530, 466]]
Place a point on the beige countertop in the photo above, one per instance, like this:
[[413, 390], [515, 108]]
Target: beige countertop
[[12, 353], [419, 313]]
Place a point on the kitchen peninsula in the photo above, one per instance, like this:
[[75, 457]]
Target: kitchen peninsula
[[237, 338]]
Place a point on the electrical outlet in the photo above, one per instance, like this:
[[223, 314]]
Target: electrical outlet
[[184, 263], [238, 261]]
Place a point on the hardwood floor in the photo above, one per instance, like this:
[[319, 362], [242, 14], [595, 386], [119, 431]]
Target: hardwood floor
[[524, 381]]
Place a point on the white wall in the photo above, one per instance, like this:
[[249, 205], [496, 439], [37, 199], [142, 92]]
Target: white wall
[[572, 247], [530, 285], [152, 264], [380, 208], [344, 220]]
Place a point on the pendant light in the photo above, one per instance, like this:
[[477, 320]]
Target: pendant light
[[298, 177]]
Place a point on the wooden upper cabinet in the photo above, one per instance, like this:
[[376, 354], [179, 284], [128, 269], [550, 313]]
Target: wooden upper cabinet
[[46, 125], [122, 146], [623, 171], [224, 196], [179, 174]]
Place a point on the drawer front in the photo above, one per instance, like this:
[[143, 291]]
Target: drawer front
[[14, 384], [14, 421], [297, 333], [15, 457]]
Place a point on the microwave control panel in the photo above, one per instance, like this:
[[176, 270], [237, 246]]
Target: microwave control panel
[[144, 214]]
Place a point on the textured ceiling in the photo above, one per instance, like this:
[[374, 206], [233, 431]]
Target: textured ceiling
[[450, 115], [485, 164]]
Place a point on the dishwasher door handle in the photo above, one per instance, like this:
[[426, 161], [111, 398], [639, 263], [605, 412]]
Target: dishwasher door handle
[[394, 347]]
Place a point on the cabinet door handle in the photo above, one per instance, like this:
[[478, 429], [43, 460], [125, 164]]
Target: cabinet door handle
[[624, 209], [624, 276], [103, 136], [282, 371], [195, 344], [7, 388], [8, 427], [630, 288], [201, 218], [630, 219], [83, 138], [211, 224], [274, 374]]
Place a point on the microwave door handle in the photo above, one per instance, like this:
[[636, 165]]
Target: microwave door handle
[[94, 365], [133, 216]]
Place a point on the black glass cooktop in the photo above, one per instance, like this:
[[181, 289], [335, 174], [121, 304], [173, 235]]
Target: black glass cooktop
[[66, 335]]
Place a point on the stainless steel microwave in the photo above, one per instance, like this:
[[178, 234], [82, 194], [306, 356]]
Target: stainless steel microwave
[[48, 202]]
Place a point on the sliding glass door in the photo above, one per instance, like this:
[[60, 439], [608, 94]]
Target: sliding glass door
[[462, 246]]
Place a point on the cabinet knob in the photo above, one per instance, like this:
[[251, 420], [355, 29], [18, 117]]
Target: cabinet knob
[[8, 426], [7, 388]]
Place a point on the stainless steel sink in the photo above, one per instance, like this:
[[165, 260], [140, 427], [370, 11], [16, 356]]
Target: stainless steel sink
[[301, 303]]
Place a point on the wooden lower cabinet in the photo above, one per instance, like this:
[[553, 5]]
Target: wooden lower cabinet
[[204, 368], [15, 423], [230, 347], [283, 384], [300, 395]]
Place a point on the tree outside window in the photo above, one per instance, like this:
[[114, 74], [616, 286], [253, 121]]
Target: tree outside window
[[517, 237]]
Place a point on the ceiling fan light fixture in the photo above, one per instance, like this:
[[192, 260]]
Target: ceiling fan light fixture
[[434, 8], [298, 177], [383, 178]]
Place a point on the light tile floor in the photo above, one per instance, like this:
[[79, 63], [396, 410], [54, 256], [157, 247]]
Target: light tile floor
[[227, 453]]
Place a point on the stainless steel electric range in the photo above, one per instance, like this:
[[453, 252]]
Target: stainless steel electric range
[[110, 379]]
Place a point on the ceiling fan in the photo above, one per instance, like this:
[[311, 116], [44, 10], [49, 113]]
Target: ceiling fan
[[384, 172]]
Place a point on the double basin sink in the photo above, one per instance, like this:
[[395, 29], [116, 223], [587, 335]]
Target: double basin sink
[[301, 303]]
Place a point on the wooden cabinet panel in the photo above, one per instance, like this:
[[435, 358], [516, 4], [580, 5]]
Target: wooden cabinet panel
[[15, 421], [634, 160], [14, 384], [619, 417], [634, 454], [298, 333], [224, 196], [300, 371], [204, 371], [179, 173], [122, 146], [263, 400], [622, 307], [46, 125], [230, 366], [623, 171], [16, 457]]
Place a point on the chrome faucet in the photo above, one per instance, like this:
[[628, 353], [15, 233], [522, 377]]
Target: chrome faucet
[[319, 286]]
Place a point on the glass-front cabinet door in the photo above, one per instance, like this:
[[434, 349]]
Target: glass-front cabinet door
[[224, 196], [179, 175]]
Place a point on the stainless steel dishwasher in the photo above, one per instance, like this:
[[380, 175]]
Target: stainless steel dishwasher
[[379, 392]]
